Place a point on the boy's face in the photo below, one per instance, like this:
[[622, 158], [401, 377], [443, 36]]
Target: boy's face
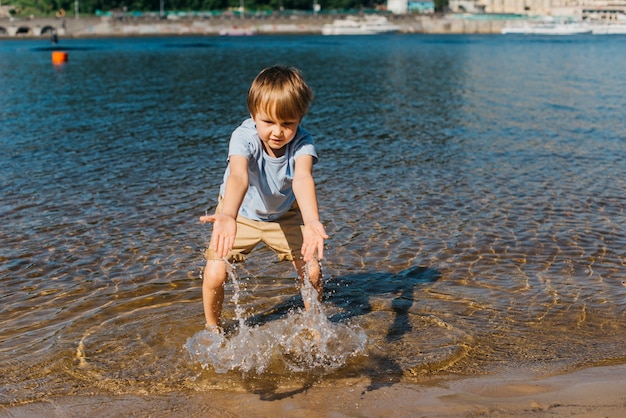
[[275, 133]]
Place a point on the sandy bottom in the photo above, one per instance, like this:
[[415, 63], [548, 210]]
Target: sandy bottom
[[596, 392]]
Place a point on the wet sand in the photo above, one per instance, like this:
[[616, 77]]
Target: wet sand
[[594, 392]]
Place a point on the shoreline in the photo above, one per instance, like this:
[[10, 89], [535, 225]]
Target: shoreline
[[590, 392], [38, 28]]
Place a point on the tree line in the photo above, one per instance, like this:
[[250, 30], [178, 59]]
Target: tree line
[[92, 7]]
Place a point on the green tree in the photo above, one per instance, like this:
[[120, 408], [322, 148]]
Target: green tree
[[48, 7], [441, 5]]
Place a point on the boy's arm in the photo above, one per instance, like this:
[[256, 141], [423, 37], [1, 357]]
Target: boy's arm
[[225, 222], [303, 185]]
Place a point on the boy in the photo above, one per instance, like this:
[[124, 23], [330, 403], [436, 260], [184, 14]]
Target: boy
[[268, 191]]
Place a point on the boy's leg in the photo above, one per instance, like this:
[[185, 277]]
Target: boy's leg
[[215, 272], [213, 291], [315, 275], [284, 236]]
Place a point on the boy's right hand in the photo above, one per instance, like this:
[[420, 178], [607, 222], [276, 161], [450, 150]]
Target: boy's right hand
[[224, 231]]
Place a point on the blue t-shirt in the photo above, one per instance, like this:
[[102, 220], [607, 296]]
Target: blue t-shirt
[[270, 193]]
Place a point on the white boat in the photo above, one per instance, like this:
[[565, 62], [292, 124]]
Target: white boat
[[608, 29], [547, 28], [368, 25], [238, 31]]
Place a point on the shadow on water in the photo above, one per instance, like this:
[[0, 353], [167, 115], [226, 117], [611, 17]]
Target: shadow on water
[[368, 284], [355, 295], [383, 368], [357, 302], [273, 392]]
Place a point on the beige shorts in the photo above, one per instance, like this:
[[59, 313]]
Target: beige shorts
[[284, 236]]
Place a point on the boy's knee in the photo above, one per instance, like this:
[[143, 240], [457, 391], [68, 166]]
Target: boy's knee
[[214, 273]]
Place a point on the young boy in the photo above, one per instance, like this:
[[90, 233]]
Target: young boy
[[268, 193]]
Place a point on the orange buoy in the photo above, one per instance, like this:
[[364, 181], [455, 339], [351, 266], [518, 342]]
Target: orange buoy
[[59, 57]]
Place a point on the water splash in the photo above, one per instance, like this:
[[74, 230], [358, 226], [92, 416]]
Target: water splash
[[305, 340]]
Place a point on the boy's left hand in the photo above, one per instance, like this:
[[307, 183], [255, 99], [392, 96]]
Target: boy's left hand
[[313, 236]]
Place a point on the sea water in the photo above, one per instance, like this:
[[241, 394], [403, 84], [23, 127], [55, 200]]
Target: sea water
[[473, 188]]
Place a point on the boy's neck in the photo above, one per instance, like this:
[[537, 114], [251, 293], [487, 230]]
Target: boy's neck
[[274, 153]]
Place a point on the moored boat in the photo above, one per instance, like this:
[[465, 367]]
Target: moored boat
[[238, 31], [609, 29], [547, 28], [368, 25]]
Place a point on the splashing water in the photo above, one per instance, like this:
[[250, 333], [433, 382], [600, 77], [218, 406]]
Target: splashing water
[[305, 340]]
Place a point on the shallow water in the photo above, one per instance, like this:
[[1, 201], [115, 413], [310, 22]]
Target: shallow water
[[304, 341], [473, 188]]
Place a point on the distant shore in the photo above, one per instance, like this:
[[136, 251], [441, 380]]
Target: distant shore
[[229, 25]]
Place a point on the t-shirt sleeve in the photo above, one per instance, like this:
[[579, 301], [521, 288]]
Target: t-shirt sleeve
[[305, 147], [241, 143]]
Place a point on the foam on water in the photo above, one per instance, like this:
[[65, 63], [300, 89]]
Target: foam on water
[[305, 340]]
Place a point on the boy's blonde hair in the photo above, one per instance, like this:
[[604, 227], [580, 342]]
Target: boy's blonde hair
[[280, 92]]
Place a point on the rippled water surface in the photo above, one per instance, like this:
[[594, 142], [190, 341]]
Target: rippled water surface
[[473, 188]]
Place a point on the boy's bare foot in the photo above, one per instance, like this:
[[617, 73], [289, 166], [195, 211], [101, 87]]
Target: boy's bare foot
[[215, 329]]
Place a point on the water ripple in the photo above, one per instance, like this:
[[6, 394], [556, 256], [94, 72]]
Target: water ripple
[[472, 187]]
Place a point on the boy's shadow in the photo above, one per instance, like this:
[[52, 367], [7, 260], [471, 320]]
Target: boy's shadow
[[353, 293]]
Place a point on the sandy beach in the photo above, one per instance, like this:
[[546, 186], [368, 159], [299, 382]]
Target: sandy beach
[[594, 392]]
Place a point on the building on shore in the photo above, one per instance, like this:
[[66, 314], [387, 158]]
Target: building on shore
[[398, 7], [401, 7], [421, 7], [602, 9]]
